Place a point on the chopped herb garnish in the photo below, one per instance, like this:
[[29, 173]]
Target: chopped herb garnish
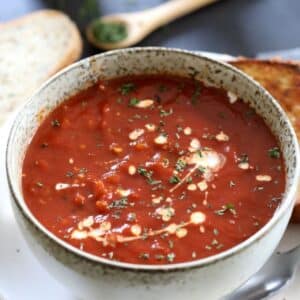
[[127, 88], [199, 153], [154, 182], [170, 257], [243, 158], [201, 169], [274, 152], [133, 102], [120, 203], [148, 175], [227, 207], [174, 179], [55, 123], [189, 179], [180, 165], [142, 171]]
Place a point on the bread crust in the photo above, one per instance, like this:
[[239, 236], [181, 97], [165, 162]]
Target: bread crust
[[69, 49], [282, 80]]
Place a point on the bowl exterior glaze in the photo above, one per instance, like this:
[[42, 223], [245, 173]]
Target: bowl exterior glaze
[[97, 278]]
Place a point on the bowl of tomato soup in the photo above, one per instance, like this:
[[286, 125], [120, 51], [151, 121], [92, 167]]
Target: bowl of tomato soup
[[154, 173]]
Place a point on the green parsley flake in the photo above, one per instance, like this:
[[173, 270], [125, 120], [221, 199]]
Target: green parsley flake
[[180, 165], [148, 175], [126, 88], [274, 152], [55, 123], [174, 179], [133, 102], [120, 203], [201, 169], [243, 158], [189, 179], [171, 257], [227, 207]]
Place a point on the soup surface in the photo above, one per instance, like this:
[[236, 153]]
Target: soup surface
[[153, 170]]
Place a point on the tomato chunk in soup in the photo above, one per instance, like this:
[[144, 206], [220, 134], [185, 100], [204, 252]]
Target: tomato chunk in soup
[[153, 170]]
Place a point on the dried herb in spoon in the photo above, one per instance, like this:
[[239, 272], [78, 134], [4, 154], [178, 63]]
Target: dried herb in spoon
[[109, 32]]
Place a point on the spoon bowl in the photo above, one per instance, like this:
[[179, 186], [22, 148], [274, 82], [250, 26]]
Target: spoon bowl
[[135, 25], [273, 276], [138, 25]]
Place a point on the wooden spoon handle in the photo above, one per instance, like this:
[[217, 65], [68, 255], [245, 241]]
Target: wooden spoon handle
[[169, 11]]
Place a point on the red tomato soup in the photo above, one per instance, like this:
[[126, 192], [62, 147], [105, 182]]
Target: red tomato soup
[[153, 170]]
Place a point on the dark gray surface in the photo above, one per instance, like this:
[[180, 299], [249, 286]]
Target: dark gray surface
[[238, 27]]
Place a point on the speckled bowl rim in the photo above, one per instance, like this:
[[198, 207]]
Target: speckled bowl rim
[[203, 262]]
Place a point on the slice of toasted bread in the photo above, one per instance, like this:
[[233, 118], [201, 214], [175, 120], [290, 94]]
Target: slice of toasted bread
[[32, 48], [282, 80]]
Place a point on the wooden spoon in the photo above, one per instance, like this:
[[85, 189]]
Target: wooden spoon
[[139, 24]]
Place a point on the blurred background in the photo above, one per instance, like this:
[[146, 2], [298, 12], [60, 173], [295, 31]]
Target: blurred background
[[237, 27]]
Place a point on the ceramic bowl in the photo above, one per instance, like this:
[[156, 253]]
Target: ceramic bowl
[[97, 278]]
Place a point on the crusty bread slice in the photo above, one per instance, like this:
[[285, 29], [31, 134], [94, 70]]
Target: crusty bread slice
[[32, 48], [282, 80]]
